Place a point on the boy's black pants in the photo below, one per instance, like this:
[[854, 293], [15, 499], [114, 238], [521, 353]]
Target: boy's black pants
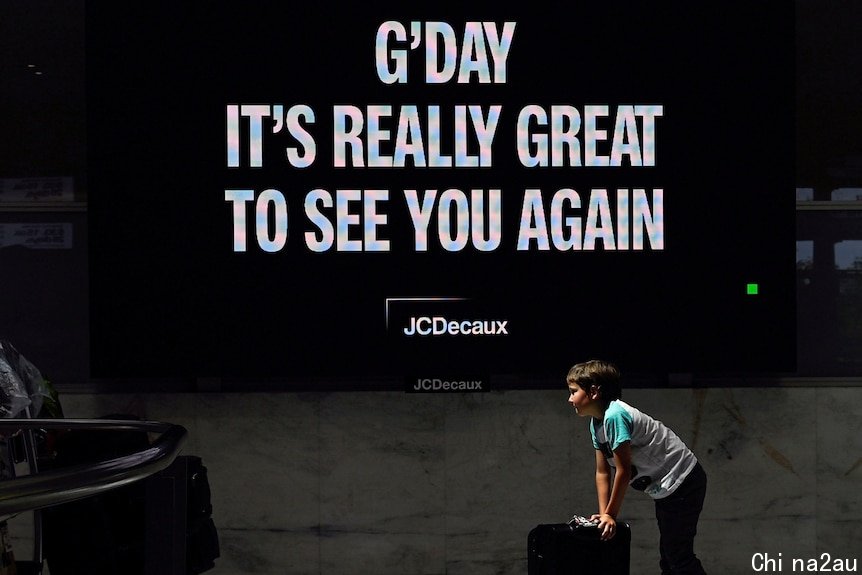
[[677, 517]]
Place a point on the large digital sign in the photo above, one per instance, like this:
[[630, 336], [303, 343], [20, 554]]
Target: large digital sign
[[389, 191]]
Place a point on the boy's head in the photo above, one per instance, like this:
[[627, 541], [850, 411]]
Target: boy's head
[[598, 378]]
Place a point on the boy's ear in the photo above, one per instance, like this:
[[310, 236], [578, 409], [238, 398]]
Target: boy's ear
[[595, 392]]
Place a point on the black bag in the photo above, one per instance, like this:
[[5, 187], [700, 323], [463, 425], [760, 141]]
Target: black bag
[[107, 534], [202, 546], [571, 549], [102, 534]]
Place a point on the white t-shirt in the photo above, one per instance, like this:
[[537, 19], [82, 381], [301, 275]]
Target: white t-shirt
[[660, 459]]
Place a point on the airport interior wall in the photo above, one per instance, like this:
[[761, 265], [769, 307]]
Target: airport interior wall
[[393, 483]]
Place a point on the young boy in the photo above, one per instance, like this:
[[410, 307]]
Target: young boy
[[645, 455]]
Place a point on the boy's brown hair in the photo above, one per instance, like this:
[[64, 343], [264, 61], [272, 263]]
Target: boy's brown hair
[[605, 376]]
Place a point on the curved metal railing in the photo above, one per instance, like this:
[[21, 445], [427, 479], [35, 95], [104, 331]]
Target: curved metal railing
[[67, 484]]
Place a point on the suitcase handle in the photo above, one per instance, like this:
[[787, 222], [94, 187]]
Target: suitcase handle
[[581, 521]]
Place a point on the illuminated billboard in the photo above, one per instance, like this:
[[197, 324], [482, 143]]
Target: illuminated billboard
[[384, 191]]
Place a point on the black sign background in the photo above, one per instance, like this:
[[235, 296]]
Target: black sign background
[[169, 296]]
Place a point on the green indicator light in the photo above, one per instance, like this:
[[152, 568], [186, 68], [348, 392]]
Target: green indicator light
[[751, 289]]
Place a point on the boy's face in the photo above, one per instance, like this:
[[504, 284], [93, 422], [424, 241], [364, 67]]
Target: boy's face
[[586, 402]]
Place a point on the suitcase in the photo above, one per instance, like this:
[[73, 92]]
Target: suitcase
[[572, 549]]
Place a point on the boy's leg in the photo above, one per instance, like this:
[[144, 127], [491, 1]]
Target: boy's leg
[[677, 517]]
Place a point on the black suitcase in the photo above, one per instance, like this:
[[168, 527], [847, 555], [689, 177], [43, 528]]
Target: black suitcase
[[571, 549]]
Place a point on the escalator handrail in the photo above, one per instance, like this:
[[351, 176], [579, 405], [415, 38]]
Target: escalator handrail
[[67, 484]]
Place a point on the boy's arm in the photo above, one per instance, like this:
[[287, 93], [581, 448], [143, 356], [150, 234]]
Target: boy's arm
[[603, 482], [608, 514]]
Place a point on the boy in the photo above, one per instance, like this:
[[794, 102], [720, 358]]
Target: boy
[[646, 455]]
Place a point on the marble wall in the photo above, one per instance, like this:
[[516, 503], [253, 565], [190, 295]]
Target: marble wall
[[391, 483]]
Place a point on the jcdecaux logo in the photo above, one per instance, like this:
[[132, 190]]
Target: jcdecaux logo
[[441, 326]]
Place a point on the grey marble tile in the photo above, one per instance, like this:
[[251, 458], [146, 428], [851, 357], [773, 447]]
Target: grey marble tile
[[840, 538], [382, 464], [509, 468], [356, 552], [98, 405], [644, 548], [265, 552], [262, 453], [839, 454], [502, 565], [759, 451], [513, 449], [729, 546]]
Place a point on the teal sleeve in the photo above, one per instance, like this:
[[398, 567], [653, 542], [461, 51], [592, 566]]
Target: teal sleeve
[[618, 428], [593, 433]]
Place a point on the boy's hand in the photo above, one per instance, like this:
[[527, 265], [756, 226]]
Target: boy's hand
[[607, 525]]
